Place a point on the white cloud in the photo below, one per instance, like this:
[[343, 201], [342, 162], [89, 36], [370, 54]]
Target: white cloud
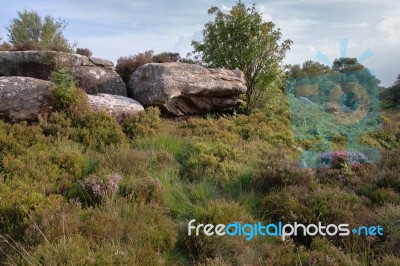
[[350, 25], [183, 44], [225, 8], [114, 28], [391, 26]]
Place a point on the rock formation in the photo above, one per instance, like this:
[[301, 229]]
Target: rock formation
[[186, 89], [94, 75], [24, 98], [117, 106]]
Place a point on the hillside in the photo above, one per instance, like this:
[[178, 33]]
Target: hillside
[[79, 188]]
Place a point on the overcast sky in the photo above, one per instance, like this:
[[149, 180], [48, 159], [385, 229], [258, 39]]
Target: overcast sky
[[114, 28]]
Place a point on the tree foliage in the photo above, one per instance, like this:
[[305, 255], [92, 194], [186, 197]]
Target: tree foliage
[[308, 68], [166, 57], [29, 31], [126, 65], [84, 51], [318, 81], [391, 95], [242, 40]]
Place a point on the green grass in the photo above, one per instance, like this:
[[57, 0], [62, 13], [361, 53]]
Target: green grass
[[215, 169]]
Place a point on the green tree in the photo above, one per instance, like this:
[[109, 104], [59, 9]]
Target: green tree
[[308, 68], [391, 95], [242, 40], [30, 31], [347, 64]]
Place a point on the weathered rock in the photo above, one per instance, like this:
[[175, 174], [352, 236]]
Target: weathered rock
[[102, 63], [96, 80], [23, 98], [94, 75], [186, 89], [117, 106]]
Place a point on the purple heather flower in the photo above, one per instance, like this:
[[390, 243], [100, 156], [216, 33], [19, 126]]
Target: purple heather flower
[[351, 157], [113, 182]]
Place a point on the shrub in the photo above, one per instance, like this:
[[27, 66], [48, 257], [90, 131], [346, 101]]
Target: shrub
[[389, 219], [143, 190], [94, 189], [5, 46], [388, 260], [142, 124], [97, 130], [337, 159], [188, 60], [277, 171], [210, 161], [84, 51], [382, 196], [63, 79], [166, 57], [65, 93], [142, 226], [233, 250], [31, 32], [313, 204], [128, 64]]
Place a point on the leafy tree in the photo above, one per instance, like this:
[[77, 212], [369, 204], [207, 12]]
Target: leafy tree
[[30, 31], [308, 68], [324, 78], [347, 64], [242, 40], [391, 95]]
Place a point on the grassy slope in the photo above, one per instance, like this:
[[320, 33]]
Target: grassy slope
[[58, 204]]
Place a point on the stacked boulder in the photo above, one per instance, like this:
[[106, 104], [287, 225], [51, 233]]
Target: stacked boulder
[[25, 91], [178, 89], [94, 75], [23, 98]]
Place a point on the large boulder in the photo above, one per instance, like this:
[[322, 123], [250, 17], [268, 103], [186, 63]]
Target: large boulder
[[186, 89], [117, 106], [23, 98], [94, 75]]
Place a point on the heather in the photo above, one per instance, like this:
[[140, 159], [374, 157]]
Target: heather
[[78, 185]]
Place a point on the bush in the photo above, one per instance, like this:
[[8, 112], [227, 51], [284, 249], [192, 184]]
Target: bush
[[142, 226], [166, 57], [233, 250], [210, 161], [84, 51], [63, 78], [93, 189], [118, 232], [142, 124], [65, 93], [31, 32], [144, 190], [128, 64], [337, 159], [97, 130], [5, 46], [389, 219], [277, 171], [316, 203]]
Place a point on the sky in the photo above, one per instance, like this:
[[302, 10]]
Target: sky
[[115, 28]]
